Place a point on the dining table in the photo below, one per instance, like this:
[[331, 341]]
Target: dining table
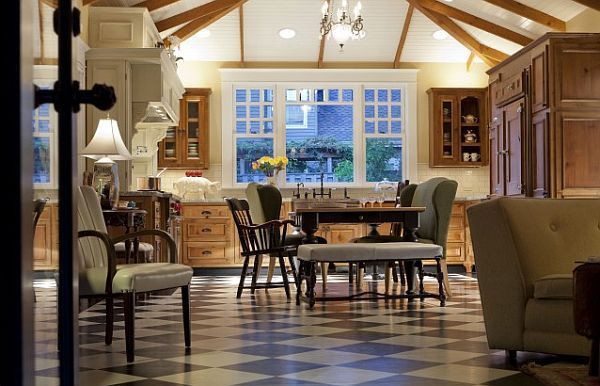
[[310, 218]]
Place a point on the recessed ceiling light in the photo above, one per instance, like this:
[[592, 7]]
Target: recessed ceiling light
[[203, 33], [287, 33], [440, 35], [448, 1]]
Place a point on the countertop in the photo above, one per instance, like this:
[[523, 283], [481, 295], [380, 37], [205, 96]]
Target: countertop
[[147, 193]]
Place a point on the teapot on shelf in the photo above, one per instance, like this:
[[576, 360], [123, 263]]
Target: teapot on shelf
[[470, 119], [470, 136]]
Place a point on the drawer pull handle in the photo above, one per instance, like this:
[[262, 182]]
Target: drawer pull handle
[[206, 212], [206, 230], [207, 253]]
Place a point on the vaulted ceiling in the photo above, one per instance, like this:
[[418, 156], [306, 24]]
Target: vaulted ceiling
[[396, 30]]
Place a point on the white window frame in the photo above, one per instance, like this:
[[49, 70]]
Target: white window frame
[[45, 76], [357, 79]]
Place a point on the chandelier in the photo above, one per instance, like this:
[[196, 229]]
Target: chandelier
[[343, 27]]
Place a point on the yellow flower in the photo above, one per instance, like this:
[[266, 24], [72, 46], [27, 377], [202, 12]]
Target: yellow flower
[[254, 165]]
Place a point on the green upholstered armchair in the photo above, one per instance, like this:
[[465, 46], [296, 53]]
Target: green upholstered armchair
[[437, 196], [101, 277], [265, 205]]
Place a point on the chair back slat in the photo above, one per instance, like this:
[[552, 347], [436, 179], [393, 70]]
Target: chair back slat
[[261, 238]]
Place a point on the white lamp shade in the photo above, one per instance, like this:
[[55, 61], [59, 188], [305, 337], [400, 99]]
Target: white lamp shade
[[107, 142]]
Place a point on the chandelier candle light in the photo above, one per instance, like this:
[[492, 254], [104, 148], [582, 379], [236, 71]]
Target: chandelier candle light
[[343, 27]]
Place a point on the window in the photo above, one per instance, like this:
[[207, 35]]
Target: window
[[324, 144], [44, 125], [353, 127], [383, 133], [254, 117]]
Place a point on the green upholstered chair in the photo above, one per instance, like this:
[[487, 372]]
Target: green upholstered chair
[[437, 196], [265, 205], [101, 277]]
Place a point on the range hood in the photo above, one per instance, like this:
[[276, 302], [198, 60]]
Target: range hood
[[156, 115]]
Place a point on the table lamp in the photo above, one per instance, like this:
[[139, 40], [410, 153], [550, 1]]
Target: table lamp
[[105, 147]]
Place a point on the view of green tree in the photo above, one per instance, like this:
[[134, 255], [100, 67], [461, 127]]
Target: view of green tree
[[379, 152], [344, 171]]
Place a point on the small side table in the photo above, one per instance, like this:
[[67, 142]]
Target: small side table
[[586, 305], [131, 220]]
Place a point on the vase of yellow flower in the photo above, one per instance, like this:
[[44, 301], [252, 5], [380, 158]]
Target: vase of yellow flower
[[270, 166]]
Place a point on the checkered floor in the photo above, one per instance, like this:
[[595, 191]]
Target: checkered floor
[[266, 340]]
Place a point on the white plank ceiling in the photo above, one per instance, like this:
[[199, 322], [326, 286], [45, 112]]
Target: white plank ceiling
[[383, 21]]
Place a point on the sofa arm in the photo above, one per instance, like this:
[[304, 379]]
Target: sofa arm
[[501, 283]]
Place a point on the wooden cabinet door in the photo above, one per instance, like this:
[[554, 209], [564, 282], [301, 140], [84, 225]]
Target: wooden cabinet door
[[42, 242], [513, 151], [444, 129], [540, 162], [539, 82], [496, 144], [343, 233]]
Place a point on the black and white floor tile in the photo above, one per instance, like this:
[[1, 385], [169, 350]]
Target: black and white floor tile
[[263, 339]]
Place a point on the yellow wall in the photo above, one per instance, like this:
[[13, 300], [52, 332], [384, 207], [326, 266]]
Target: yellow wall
[[586, 21], [206, 74]]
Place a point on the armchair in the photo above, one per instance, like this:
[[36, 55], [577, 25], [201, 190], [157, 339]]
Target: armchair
[[101, 277], [525, 252]]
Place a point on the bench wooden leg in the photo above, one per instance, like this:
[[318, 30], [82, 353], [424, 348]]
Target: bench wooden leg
[[286, 284], [129, 314], [394, 271], [300, 277], [311, 282], [360, 274], [419, 265], [388, 274], [440, 278], [324, 268], [350, 273]]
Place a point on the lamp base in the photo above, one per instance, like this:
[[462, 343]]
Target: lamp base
[[106, 184]]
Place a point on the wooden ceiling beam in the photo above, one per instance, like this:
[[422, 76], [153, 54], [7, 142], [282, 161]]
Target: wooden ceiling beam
[[89, 2], [51, 3], [323, 38], [489, 55], [403, 35], [194, 26], [530, 13], [195, 13], [153, 5], [594, 4], [242, 59], [470, 61], [476, 22]]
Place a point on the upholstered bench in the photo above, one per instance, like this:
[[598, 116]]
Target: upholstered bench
[[311, 254]]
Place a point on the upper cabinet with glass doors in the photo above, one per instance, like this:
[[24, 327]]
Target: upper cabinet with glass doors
[[187, 146]]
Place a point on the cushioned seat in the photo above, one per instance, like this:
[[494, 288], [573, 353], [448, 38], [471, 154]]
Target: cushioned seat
[[367, 251], [135, 277]]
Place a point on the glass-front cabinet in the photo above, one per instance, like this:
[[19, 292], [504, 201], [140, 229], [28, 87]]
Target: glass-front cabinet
[[457, 131], [187, 146]]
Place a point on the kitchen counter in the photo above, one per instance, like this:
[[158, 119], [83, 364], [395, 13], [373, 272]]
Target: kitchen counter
[[147, 193]]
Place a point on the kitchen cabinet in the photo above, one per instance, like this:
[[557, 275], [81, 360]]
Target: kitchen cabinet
[[209, 236], [457, 129], [187, 146], [45, 240], [545, 119]]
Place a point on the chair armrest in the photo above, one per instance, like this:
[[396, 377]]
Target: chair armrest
[[152, 232], [268, 224], [110, 252]]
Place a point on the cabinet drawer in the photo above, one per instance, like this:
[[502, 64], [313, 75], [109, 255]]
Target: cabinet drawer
[[457, 235], [205, 211], [206, 254], [511, 88], [457, 222], [455, 252], [199, 230]]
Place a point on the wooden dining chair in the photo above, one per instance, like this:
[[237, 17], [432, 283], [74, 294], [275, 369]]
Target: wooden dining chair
[[38, 208]]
